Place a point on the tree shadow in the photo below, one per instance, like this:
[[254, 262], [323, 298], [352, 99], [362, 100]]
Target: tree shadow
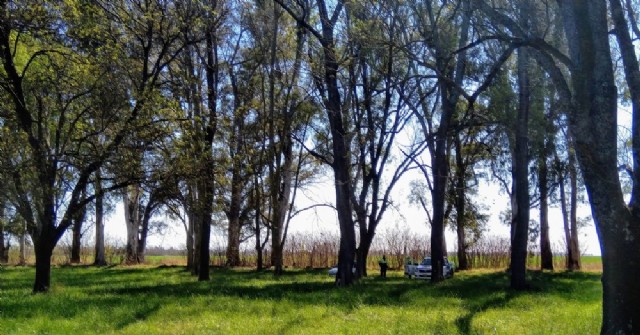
[[140, 314], [481, 293], [137, 293], [463, 323]]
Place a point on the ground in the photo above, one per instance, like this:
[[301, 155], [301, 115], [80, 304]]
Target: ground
[[167, 300]]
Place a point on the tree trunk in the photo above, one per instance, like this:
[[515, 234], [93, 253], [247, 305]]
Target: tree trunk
[[328, 86], [142, 238], [594, 126], [278, 188], [43, 250], [565, 221], [100, 258], [132, 221], [190, 238], [569, 216], [546, 255], [197, 244], [282, 202], [341, 171], [460, 202], [521, 177], [237, 187], [362, 253], [23, 247], [76, 241], [575, 262], [233, 231], [440, 173], [440, 149], [206, 185], [144, 226], [4, 250], [259, 259], [204, 258]]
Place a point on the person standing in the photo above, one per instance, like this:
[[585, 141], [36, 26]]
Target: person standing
[[383, 266]]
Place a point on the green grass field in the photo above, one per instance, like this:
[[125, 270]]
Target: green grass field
[[167, 300]]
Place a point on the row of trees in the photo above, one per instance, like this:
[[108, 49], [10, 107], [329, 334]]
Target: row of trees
[[220, 111]]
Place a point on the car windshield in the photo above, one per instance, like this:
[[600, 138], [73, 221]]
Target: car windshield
[[426, 261]]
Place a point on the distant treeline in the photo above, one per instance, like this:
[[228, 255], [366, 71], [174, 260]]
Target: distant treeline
[[321, 251]]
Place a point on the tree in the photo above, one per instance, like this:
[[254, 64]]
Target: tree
[[50, 79], [470, 147], [284, 112], [327, 85], [376, 75], [591, 96], [567, 172], [521, 173]]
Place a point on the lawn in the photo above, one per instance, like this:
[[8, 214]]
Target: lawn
[[167, 300]]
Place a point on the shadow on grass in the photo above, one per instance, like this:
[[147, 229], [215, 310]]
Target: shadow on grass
[[463, 323], [480, 293], [137, 293], [140, 314]]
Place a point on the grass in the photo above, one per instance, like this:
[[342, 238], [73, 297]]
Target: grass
[[167, 300]]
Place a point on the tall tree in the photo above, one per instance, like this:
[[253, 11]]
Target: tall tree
[[45, 76], [449, 66], [376, 74], [521, 173], [285, 110], [567, 173], [328, 87], [593, 124]]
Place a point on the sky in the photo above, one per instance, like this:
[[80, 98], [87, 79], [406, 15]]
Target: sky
[[324, 219]]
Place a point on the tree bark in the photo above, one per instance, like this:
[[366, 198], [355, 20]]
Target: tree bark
[[197, 233], [238, 180], [4, 249], [546, 255], [43, 250], [76, 241], [341, 159], [189, 240], [521, 177], [594, 127], [258, 240], [460, 202], [22, 260], [206, 184], [100, 258], [575, 262], [233, 231], [132, 218], [204, 258]]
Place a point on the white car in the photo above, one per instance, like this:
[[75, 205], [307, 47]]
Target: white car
[[334, 270], [423, 270]]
